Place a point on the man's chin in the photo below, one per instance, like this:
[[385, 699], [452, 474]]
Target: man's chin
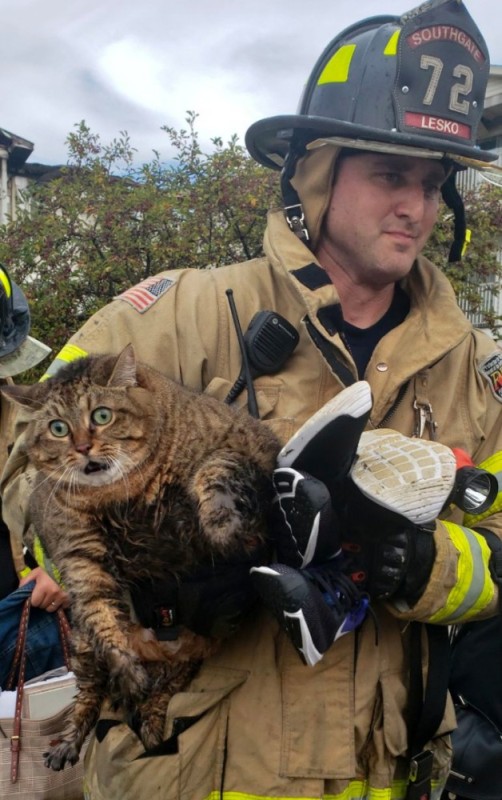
[[391, 272]]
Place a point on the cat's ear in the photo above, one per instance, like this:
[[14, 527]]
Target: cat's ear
[[124, 371], [28, 396]]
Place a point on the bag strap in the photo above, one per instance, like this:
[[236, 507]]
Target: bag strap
[[426, 709], [19, 668], [20, 643], [436, 687], [64, 636]]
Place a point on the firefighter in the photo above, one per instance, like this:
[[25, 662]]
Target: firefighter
[[388, 118]]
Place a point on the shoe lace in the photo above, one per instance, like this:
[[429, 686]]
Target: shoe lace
[[341, 591]]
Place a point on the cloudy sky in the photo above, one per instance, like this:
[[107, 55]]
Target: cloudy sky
[[135, 66]]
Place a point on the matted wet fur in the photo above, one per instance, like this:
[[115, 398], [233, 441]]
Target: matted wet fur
[[136, 477]]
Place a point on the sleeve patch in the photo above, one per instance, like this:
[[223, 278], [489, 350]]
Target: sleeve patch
[[491, 369], [142, 296]]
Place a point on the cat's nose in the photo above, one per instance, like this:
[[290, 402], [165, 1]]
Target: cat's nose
[[82, 447]]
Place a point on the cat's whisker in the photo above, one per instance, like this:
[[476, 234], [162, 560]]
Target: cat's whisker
[[123, 465], [56, 485]]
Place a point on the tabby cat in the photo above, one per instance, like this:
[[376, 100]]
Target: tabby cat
[[136, 477]]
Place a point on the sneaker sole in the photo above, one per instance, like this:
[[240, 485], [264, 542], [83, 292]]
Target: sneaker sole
[[411, 477]]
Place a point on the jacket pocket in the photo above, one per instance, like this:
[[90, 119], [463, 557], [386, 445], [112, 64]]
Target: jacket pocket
[[394, 698], [187, 766], [267, 395], [318, 714]]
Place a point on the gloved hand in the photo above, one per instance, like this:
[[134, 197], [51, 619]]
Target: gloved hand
[[395, 491], [377, 493], [394, 564], [211, 602]]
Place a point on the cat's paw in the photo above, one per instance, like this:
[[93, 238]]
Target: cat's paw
[[62, 752], [151, 732], [129, 682], [223, 524]]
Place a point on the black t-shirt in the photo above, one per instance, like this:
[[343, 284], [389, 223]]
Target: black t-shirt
[[362, 341]]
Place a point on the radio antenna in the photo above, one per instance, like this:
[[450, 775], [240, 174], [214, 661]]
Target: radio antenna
[[252, 402]]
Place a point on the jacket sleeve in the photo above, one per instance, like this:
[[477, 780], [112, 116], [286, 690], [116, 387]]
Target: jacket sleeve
[[462, 584]]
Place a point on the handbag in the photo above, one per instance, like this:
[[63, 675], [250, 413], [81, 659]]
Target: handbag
[[476, 687], [476, 771], [23, 774]]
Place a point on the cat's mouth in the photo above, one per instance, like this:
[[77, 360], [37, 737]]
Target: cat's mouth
[[95, 466]]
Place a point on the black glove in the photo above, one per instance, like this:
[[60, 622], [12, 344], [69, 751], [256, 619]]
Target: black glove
[[212, 602], [396, 563], [215, 604]]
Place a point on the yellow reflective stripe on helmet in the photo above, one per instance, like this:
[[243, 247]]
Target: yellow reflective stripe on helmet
[[474, 588], [5, 281], [70, 352], [337, 68], [391, 46], [493, 465]]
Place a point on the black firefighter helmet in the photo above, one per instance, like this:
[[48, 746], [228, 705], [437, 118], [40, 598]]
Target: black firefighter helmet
[[412, 84], [18, 351]]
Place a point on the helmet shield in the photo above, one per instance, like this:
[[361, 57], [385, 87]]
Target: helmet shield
[[417, 81]]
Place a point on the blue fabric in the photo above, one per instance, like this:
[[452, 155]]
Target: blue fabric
[[43, 647]]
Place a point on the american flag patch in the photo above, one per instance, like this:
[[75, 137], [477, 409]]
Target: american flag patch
[[145, 294]]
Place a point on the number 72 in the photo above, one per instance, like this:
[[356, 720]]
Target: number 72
[[460, 71]]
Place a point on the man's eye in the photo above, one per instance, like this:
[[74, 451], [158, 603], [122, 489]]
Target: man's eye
[[432, 190], [391, 177], [58, 428]]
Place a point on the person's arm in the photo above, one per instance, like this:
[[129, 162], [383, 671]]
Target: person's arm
[[444, 572], [466, 567]]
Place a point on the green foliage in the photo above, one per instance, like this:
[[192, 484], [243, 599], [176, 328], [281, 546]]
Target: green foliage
[[477, 279], [105, 224]]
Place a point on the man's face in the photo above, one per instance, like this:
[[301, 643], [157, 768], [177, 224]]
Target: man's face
[[382, 211]]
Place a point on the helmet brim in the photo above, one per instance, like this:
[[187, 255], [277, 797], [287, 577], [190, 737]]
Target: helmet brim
[[30, 353], [269, 140]]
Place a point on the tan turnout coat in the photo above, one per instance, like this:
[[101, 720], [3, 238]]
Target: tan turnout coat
[[260, 723]]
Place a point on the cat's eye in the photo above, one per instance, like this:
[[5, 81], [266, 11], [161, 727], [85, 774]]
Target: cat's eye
[[58, 428], [101, 415]]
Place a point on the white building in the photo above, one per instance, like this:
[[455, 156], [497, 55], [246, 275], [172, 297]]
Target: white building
[[13, 154]]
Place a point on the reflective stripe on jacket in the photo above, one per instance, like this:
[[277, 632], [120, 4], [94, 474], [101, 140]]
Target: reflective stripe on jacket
[[257, 722]]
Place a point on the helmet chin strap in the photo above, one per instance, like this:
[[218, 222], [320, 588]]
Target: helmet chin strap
[[293, 208], [295, 216], [454, 201]]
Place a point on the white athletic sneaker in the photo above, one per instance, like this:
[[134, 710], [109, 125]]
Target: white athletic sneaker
[[411, 477]]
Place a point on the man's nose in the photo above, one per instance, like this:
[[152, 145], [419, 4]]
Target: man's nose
[[411, 203]]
